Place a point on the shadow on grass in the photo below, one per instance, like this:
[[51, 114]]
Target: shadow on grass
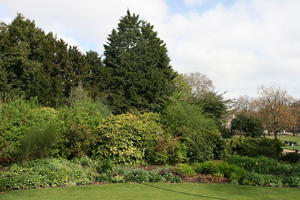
[[185, 193]]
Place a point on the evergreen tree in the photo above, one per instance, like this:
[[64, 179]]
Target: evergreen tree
[[35, 64], [96, 76], [139, 65]]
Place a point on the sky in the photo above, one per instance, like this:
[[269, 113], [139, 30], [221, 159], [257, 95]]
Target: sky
[[238, 44]]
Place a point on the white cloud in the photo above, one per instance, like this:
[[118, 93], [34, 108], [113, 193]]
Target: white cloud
[[193, 2], [239, 47]]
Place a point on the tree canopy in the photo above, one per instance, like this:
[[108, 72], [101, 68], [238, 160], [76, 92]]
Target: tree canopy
[[139, 65]]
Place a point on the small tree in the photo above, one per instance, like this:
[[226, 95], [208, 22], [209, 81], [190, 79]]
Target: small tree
[[250, 126], [274, 109]]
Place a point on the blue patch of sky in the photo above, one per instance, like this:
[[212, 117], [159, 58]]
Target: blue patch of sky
[[181, 7], [5, 14]]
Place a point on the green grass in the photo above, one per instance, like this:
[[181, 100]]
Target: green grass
[[291, 139], [160, 191]]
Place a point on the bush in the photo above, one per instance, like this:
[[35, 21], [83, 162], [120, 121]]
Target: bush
[[168, 150], [81, 120], [291, 157], [250, 126], [45, 173], [232, 172], [39, 143], [25, 127], [261, 180], [137, 175], [291, 181], [200, 132], [185, 170], [261, 165], [253, 147], [127, 138]]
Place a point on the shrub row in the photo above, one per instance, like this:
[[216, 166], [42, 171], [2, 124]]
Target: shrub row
[[45, 173], [61, 172], [248, 146], [264, 165], [247, 176]]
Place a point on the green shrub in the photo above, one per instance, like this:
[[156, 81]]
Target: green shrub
[[25, 127], [185, 170], [261, 180], [232, 172], [248, 125], [45, 173], [253, 147], [291, 157], [170, 177], [261, 165], [39, 143], [81, 120], [168, 150], [208, 167], [291, 181], [199, 131], [105, 166], [127, 138]]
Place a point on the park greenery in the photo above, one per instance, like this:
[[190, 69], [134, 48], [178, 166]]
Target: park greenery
[[74, 118]]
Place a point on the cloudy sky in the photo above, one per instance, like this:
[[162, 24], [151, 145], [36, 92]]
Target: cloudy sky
[[239, 44]]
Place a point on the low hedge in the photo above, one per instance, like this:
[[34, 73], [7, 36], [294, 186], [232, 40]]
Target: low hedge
[[61, 172], [45, 173], [263, 165]]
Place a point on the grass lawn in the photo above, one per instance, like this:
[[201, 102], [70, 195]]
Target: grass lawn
[[161, 191], [291, 139]]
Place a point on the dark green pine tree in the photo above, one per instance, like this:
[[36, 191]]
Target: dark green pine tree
[[96, 76], [139, 65]]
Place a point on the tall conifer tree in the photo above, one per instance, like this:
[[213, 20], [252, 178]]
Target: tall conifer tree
[[139, 65]]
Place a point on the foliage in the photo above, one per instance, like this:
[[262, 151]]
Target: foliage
[[291, 157], [261, 165], [274, 109], [247, 146], [44, 173], [213, 105], [24, 124], [168, 150], [127, 138], [39, 143], [250, 126], [262, 180], [141, 76], [200, 133], [36, 64], [233, 172], [81, 120], [185, 170]]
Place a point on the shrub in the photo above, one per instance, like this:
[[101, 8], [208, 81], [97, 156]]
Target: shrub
[[232, 172], [291, 157], [45, 173], [39, 143], [291, 181], [248, 125], [200, 132], [247, 146], [261, 165], [127, 138], [185, 170], [168, 150], [261, 180], [26, 127], [81, 120]]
